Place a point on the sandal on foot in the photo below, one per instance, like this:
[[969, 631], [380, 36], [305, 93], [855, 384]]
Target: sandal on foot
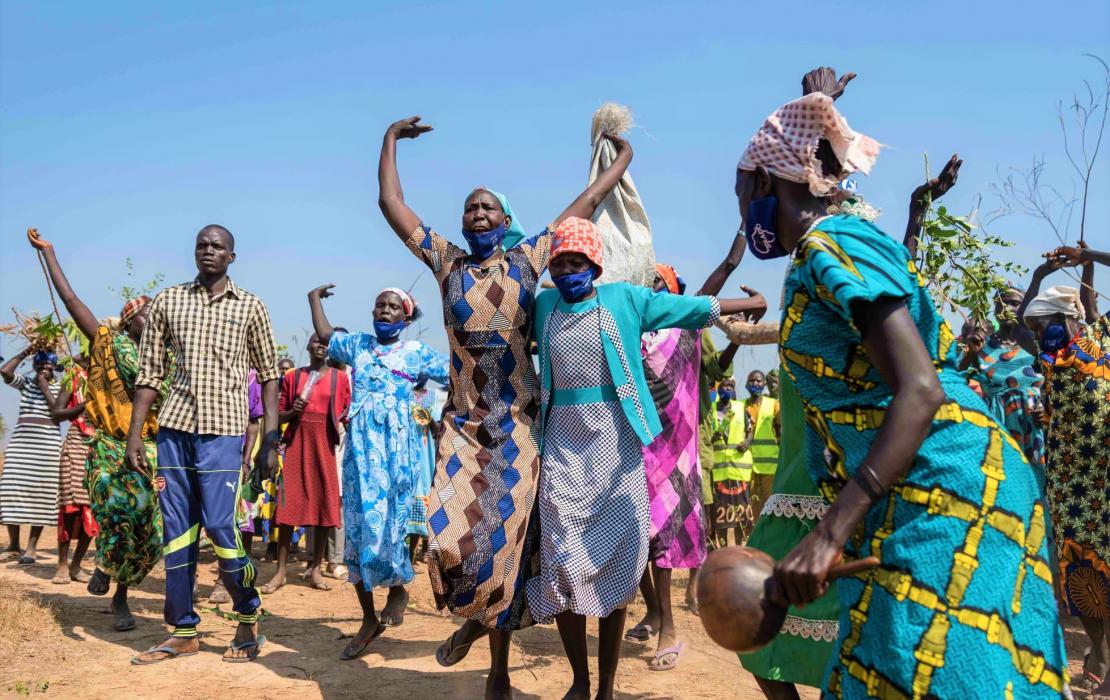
[[658, 665], [447, 655], [170, 653], [254, 645], [640, 633], [268, 588], [26, 560], [81, 576], [60, 580], [125, 621], [347, 655], [99, 583], [321, 586]]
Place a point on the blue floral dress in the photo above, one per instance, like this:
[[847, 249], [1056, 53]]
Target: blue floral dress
[[961, 605], [383, 450], [1010, 381]]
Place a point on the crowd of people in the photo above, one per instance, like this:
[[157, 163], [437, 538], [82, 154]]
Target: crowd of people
[[593, 440]]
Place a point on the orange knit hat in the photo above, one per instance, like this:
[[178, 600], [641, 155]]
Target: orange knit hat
[[574, 235]]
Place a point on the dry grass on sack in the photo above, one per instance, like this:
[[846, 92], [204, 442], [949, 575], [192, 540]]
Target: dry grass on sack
[[610, 118], [28, 624]]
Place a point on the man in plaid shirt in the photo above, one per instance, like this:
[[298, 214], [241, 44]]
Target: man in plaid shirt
[[217, 332]]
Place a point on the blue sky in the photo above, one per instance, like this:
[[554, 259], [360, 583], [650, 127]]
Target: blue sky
[[125, 127]]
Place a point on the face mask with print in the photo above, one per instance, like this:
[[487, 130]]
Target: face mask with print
[[388, 331], [576, 285], [485, 243], [759, 229]]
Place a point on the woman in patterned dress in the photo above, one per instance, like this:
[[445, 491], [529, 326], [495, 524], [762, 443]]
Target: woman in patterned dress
[[381, 453], [29, 482], [597, 416], [919, 474], [482, 543], [124, 503], [672, 363], [1075, 358], [75, 518]]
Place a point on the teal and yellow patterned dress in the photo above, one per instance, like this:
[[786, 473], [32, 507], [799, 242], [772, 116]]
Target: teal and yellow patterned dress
[[962, 604]]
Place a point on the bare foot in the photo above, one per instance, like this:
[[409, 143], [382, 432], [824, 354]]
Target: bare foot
[[61, 576], [393, 614], [316, 579], [180, 646], [498, 687], [578, 692], [275, 583]]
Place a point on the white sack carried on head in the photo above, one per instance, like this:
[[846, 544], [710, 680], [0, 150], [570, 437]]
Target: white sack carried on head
[[625, 230]]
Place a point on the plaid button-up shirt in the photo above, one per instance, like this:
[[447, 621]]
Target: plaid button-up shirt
[[216, 340]]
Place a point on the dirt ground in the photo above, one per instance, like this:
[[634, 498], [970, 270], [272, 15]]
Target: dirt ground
[[71, 649], [78, 654]]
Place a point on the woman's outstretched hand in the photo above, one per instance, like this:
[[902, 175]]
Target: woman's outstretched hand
[[621, 144], [938, 186], [322, 292], [408, 128], [824, 80], [37, 241]]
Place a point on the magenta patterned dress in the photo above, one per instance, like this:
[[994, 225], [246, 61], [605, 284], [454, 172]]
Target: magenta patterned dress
[[672, 360]]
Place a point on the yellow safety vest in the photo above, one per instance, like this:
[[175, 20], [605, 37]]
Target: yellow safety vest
[[763, 457], [728, 461]]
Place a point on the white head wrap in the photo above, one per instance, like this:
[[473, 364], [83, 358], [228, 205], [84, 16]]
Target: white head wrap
[[1056, 300]]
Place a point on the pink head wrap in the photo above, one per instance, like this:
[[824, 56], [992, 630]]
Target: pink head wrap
[[787, 142], [574, 235]]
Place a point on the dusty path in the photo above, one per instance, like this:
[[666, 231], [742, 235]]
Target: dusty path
[[75, 653], [83, 657]]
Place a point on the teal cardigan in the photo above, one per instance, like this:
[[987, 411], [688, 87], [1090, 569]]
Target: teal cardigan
[[633, 311]]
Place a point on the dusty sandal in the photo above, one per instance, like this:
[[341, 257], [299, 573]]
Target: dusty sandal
[[448, 655], [170, 653], [254, 645], [657, 664], [640, 633], [350, 652]]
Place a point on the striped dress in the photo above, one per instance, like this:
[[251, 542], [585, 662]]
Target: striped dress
[[29, 483]]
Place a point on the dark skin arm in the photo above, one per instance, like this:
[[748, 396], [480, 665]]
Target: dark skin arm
[[43, 381], [267, 458], [1050, 265], [716, 280], [931, 191], [898, 353], [248, 446], [974, 340], [80, 313], [725, 358], [403, 220], [754, 306], [1070, 256], [58, 411], [140, 408], [320, 323], [7, 371]]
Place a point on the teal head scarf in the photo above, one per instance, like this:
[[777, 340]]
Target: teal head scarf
[[516, 233]]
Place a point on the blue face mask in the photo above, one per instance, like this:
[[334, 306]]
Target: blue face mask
[[754, 389], [575, 286], [726, 395], [388, 331], [485, 243], [1054, 338], [759, 229]]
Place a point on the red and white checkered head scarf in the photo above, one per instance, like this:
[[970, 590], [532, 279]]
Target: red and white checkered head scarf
[[787, 143], [574, 235], [131, 309]]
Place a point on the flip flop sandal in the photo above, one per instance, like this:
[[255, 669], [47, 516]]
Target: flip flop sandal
[[347, 656], [320, 586], [269, 590], [26, 560], [640, 633], [99, 583], [255, 645], [6, 555], [657, 665], [125, 621], [60, 580], [170, 653], [447, 655]]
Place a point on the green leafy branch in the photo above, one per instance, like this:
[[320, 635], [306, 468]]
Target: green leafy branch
[[128, 292], [957, 258]]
